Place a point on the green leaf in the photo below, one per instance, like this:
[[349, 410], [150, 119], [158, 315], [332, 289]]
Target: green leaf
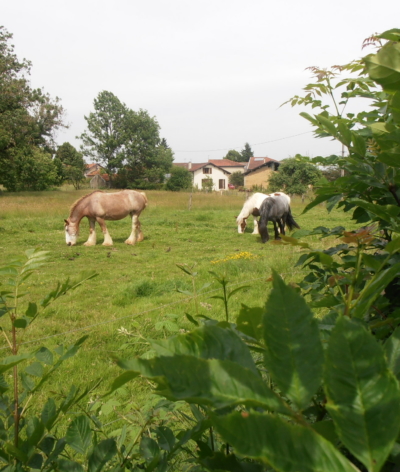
[[49, 413], [293, 353], [149, 448], [285, 447], [392, 352], [207, 342], [358, 144], [34, 431], [122, 380], [393, 246], [209, 382], [44, 355], [166, 438], [35, 369], [249, 322], [65, 465], [373, 290], [363, 395], [31, 310], [384, 67], [103, 452], [79, 434], [11, 361]]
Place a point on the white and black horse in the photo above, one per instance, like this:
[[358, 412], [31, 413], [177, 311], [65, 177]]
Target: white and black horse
[[277, 210]]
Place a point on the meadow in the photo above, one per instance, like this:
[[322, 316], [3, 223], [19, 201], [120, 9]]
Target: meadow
[[140, 292]]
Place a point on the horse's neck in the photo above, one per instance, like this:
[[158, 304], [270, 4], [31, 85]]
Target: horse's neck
[[77, 214]]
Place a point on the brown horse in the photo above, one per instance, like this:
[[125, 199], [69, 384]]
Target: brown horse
[[100, 206]]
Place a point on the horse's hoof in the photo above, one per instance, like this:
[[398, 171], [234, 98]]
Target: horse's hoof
[[107, 244], [89, 244], [131, 243]]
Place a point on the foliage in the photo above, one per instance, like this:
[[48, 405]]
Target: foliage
[[237, 179], [28, 440], [181, 179], [125, 141], [73, 164], [247, 153], [28, 120], [207, 184], [234, 155], [280, 388], [294, 176]]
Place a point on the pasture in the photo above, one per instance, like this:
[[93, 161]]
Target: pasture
[[135, 295]]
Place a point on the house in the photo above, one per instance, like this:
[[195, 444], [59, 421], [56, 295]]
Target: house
[[258, 172], [216, 170], [93, 169]]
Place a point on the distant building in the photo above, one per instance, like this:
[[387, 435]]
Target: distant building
[[219, 170], [258, 172]]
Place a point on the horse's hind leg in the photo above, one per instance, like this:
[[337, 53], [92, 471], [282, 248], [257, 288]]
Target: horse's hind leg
[[107, 238], [136, 234], [92, 233]]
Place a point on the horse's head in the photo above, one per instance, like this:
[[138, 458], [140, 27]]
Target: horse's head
[[242, 223], [71, 233]]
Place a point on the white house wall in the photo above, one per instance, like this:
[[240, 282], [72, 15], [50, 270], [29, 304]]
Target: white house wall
[[216, 175]]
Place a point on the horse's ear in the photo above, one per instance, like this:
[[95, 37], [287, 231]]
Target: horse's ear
[[67, 222]]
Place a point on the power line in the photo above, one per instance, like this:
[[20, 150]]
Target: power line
[[255, 144]]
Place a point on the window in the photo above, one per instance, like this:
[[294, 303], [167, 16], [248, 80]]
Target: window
[[207, 170], [221, 184]]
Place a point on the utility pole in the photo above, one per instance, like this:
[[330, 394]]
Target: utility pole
[[342, 170]]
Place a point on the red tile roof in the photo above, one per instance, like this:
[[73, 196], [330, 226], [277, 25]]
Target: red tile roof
[[255, 162], [226, 163]]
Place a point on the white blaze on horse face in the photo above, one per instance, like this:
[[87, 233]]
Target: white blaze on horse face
[[71, 234]]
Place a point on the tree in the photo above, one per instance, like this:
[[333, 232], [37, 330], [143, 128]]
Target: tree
[[28, 120], [246, 153], [73, 164], [126, 142], [237, 179], [106, 134], [294, 176], [234, 156], [181, 179]]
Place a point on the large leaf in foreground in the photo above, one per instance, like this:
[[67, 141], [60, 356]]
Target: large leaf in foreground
[[211, 382], [363, 395], [284, 446], [294, 353], [207, 342]]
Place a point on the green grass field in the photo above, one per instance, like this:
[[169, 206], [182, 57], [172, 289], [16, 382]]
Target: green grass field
[[136, 287]]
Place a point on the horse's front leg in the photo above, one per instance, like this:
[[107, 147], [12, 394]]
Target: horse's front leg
[[276, 230], [255, 230], [107, 238], [92, 233], [136, 234]]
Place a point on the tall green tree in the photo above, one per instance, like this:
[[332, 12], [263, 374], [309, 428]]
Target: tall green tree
[[127, 143], [237, 179], [105, 137], [234, 156], [294, 176], [247, 153], [29, 119], [73, 164]]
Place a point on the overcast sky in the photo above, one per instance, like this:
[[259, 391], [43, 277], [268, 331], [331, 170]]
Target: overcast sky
[[213, 72]]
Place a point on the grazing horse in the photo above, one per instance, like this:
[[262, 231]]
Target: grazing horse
[[252, 206], [100, 206], [275, 209]]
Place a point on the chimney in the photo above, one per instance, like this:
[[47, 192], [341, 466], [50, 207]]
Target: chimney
[[190, 165]]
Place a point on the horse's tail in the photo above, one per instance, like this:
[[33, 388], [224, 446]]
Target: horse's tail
[[290, 221], [265, 210], [145, 199]]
